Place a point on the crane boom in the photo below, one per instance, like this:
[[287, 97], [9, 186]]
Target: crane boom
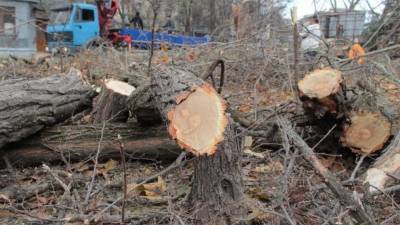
[[107, 11]]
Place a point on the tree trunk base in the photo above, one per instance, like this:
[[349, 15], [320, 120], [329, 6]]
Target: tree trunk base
[[217, 191], [111, 103]]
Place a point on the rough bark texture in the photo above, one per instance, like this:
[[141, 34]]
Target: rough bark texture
[[380, 94], [78, 142], [385, 168], [111, 103], [29, 105], [141, 105], [217, 189], [217, 186]]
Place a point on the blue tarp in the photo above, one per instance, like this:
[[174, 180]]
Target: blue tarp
[[142, 38]]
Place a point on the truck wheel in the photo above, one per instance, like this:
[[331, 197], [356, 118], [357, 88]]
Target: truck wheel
[[98, 43]]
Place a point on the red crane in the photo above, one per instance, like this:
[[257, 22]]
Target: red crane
[[107, 11]]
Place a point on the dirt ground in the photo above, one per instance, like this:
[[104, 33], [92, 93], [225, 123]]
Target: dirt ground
[[279, 183]]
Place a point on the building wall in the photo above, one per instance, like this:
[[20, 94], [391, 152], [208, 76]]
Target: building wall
[[23, 44]]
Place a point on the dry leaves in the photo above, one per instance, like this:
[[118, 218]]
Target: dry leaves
[[150, 190], [274, 166]]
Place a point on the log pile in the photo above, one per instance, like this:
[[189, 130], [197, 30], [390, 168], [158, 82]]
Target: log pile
[[361, 130]]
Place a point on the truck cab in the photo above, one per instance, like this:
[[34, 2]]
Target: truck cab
[[72, 26]]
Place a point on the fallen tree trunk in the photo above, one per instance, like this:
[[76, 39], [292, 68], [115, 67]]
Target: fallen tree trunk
[[29, 105], [386, 168], [78, 142], [110, 105], [141, 105], [197, 121]]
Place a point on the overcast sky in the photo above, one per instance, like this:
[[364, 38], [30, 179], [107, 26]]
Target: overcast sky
[[306, 7]]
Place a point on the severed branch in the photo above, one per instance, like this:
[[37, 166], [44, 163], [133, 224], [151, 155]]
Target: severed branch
[[357, 210], [385, 167]]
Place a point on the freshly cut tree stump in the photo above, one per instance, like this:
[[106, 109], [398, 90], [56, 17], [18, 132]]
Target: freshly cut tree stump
[[367, 132], [385, 168], [111, 103], [79, 142], [29, 105], [197, 121], [194, 110], [321, 92]]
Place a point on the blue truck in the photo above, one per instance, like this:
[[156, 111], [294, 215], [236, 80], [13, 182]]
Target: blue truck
[[78, 25]]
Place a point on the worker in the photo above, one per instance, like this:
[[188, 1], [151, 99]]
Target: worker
[[311, 36], [137, 21], [356, 52], [169, 25]]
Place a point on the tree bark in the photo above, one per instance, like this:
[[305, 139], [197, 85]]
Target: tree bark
[[142, 106], [29, 105], [213, 17], [217, 188], [78, 142], [111, 103], [187, 103], [385, 168]]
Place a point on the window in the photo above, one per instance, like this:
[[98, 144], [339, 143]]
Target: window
[[84, 15], [7, 21], [60, 16]]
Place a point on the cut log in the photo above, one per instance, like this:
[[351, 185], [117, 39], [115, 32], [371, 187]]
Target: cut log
[[197, 121], [78, 142], [29, 105], [141, 105], [380, 94], [386, 168], [321, 92], [111, 103], [367, 132]]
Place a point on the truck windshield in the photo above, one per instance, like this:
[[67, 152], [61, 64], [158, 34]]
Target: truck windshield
[[60, 16]]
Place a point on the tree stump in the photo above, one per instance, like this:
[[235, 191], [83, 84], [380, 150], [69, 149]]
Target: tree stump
[[29, 105], [321, 92], [367, 132], [196, 119], [111, 103]]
